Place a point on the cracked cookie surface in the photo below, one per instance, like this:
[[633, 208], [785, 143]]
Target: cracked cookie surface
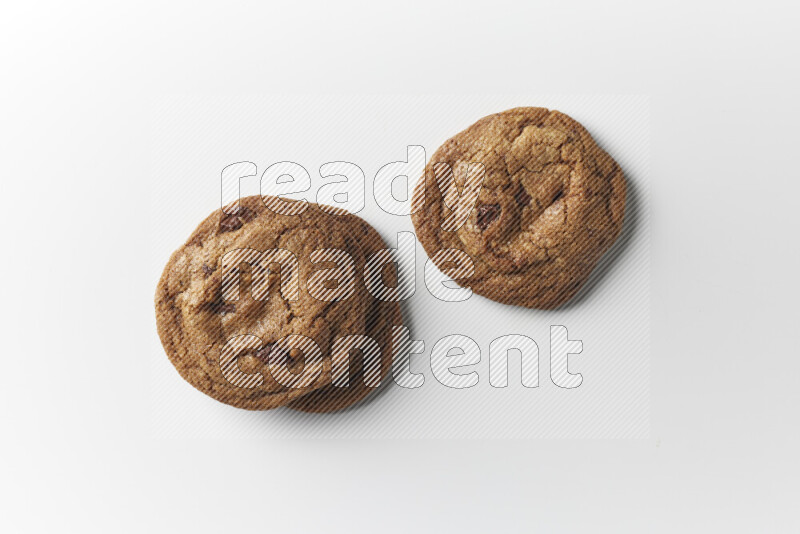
[[551, 204], [196, 317]]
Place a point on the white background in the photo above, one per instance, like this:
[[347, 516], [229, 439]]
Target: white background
[[78, 81]]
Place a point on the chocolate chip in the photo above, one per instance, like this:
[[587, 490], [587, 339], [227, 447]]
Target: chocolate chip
[[233, 221], [222, 308], [267, 356], [522, 197], [207, 270], [487, 215], [558, 196], [264, 352], [229, 223], [226, 308], [246, 214]]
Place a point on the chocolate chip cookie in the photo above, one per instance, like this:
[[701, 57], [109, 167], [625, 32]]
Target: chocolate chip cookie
[[550, 204], [251, 308]]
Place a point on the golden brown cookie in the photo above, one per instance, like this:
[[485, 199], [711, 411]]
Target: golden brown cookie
[[550, 205], [229, 339]]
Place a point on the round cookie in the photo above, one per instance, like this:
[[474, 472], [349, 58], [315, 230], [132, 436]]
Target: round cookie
[[198, 310], [550, 205]]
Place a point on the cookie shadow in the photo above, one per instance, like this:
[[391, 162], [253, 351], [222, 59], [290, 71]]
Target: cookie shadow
[[634, 211]]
